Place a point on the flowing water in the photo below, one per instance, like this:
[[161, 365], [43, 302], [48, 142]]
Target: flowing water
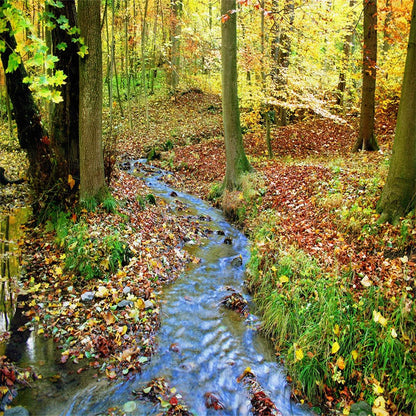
[[212, 345]]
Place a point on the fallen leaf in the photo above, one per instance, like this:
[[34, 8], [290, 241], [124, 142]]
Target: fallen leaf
[[335, 347]]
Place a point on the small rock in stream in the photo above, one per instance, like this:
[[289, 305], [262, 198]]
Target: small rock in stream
[[16, 411], [124, 303], [212, 401], [173, 194], [87, 296], [228, 240], [237, 261]]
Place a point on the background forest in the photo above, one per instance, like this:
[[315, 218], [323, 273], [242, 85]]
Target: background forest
[[319, 86]]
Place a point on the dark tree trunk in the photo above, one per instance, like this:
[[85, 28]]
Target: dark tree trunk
[[32, 136], [237, 162], [399, 193], [64, 129], [366, 138]]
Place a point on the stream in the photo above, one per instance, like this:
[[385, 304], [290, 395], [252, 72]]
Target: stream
[[202, 346]]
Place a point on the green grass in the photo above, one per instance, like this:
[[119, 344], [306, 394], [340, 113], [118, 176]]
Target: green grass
[[304, 308]]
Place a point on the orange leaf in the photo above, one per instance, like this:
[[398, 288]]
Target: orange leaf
[[71, 181]]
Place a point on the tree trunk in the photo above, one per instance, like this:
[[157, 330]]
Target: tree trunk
[[90, 100], [175, 58], [237, 162], [346, 49], [399, 192], [65, 115], [280, 52], [366, 138], [32, 136]]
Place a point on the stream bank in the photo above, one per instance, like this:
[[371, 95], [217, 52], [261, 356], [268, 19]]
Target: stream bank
[[202, 348]]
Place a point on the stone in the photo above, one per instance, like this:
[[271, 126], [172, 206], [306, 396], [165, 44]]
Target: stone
[[126, 290], [237, 261], [361, 408], [124, 303], [16, 411], [148, 304], [87, 296]]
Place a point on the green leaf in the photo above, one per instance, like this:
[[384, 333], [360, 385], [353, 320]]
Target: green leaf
[[83, 50], [14, 62], [50, 61], [61, 46], [74, 31], [59, 77], [62, 20]]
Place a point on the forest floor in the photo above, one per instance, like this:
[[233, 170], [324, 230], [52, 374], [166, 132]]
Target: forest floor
[[313, 200]]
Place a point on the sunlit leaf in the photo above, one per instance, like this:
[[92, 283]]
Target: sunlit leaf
[[335, 347]]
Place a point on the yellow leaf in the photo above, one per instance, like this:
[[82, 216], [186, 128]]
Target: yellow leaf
[[3, 390], [299, 354], [340, 363], [139, 304], [40, 331], [71, 181], [336, 329], [335, 347], [378, 317], [102, 292], [393, 333], [58, 270], [346, 411], [354, 354], [283, 279], [379, 407], [274, 268], [377, 389], [123, 330]]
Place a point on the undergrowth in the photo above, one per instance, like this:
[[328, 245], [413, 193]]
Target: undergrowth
[[87, 253], [334, 343], [341, 344]]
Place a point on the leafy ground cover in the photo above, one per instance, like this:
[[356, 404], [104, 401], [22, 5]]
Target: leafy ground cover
[[335, 288]]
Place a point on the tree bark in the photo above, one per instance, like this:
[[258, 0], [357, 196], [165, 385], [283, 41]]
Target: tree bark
[[65, 115], [90, 101], [399, 193], [280, 50], [346, 49], [366, 138], [237, 162], [31, 134], [175, 58]]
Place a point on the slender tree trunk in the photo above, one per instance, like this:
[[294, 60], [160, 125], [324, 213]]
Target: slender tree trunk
[[281, 51], [176, 29], [386, 32], [143, 59], [153, 73], [342, 83], [399, 192], [65, 115], [90, 115], [32, 136], [366, 138], [237, 162]]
